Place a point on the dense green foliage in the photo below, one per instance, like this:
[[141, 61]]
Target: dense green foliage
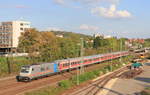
[[46, 46], [147, 43]]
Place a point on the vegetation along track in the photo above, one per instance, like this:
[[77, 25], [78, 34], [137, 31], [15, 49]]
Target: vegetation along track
[[12, 87], [97, 85]]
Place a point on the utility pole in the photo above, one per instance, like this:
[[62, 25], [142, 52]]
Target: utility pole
[[112, 52], [120, 49], [81, 55], [81, 70], [78, 76]]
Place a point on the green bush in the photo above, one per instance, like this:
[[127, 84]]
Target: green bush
[[65, 84], [96, 72]]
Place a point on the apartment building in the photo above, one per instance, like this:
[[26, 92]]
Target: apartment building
[[10, 33]]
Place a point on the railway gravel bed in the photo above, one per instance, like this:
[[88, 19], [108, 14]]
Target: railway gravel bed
[[93, 87]]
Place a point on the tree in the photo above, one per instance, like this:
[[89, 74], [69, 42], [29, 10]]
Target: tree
[[147, 42], [68, 48], [29, 41], [49, 49], [100, 42]]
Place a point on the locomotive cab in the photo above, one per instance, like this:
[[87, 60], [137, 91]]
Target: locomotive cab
[[24, 73]]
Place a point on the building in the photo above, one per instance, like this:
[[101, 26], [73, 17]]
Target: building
[[136, 40], [98, 35], [107, 37], [60, 35], [10, 33]]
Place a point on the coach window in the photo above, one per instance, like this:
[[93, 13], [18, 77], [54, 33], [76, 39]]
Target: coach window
[[63, 65], [85, 60], [66, 64]]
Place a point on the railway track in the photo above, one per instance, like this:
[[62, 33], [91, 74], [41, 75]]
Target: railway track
[[94, 87], [12, 87]]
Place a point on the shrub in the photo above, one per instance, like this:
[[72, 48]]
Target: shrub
[[65, 84]]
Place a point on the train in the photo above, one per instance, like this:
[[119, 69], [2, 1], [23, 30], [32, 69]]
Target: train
[[35, 71]]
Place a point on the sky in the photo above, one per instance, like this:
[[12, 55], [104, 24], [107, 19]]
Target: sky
[[121, 18]]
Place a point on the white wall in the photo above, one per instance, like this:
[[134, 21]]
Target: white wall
[[17, 32]]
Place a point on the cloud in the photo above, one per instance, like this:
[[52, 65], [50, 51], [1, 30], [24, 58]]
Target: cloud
[[111, 12], [88, 27], [96, 1], [60, 2], [85, 2]]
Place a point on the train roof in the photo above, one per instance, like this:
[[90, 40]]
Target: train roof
[[77, 58], [86, 57], [34, 64]]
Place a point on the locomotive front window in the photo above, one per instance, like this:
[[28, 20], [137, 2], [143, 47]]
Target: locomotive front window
[[25, 69]]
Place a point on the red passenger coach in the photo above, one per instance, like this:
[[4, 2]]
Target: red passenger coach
[[87, 60]]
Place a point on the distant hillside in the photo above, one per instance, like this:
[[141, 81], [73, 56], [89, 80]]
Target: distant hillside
[[75, 36]]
